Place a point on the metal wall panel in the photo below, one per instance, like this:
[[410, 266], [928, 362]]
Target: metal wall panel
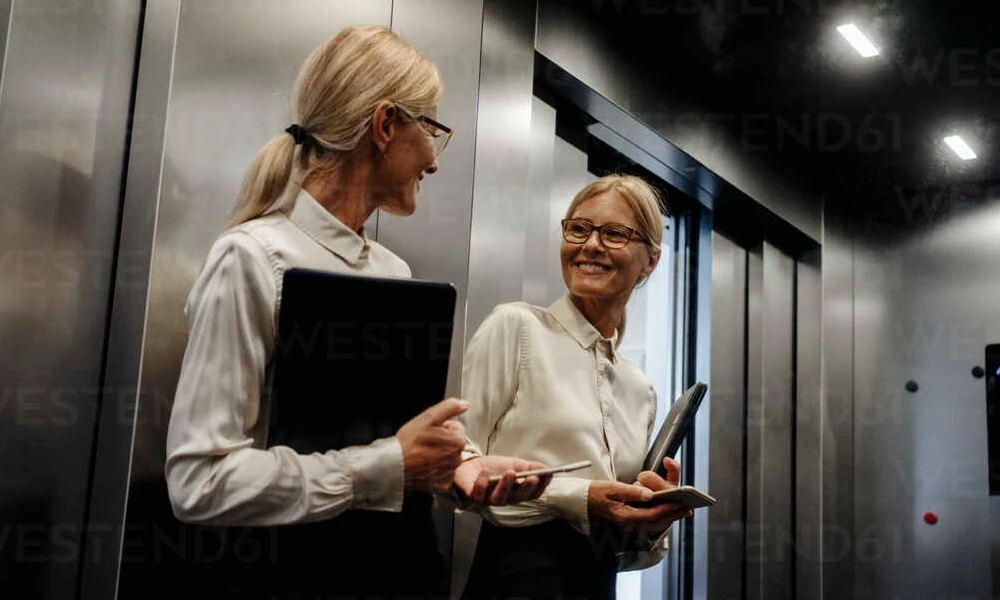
[[727, 414], [66, 89], [808, 429], [445, 203], [538, 237], [755, 556], [837, 405], [503, 145], [776, 420], [925, 308]]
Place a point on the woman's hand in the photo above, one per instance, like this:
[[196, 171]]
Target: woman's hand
[[472, 479], [432, 446], [610, 501]]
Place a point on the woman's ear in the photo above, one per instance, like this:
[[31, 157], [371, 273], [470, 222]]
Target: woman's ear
[[383, 125], [650, 266]]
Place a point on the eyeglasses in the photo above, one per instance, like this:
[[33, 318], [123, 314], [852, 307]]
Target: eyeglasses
[[612, 235], [440, 133]]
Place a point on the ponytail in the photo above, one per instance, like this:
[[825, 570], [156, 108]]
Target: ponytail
[[265, 180]]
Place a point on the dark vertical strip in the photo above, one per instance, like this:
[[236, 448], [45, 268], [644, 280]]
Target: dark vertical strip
[[746, 416], [106, 342], [690, 376]]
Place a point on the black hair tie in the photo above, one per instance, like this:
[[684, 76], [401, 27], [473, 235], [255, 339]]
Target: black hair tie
[[298, 133]]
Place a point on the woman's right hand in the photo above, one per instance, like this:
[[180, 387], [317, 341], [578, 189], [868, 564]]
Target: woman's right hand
[[608, 501], [432, 444]]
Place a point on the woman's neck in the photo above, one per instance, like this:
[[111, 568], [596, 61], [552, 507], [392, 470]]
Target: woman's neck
[[603, 313], [345, 192]]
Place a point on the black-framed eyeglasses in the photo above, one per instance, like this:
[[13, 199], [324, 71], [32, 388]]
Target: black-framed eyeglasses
[[612, 235], [439, 132]]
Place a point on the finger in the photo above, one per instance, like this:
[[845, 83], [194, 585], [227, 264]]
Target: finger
[[652, 481], [455, 428], [501, 493], [442, 411], [673, 470], [524, 490], [624, 492]]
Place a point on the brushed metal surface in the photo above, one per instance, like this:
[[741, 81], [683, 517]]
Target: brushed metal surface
[[808, 429], [727, 414], [435, 239], [754, 555], [66, 83], [837, 405], [776, 473], [503, 145], [541, 242]]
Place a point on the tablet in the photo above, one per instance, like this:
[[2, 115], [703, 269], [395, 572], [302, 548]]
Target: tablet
[[675, 428]]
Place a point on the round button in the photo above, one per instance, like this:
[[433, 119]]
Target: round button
[[930, 518]]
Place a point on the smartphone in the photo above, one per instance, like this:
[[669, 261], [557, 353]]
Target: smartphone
[[583, 464], [687, 495]]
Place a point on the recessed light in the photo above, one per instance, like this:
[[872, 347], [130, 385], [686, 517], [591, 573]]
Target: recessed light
[[857, 39], [960, 147]]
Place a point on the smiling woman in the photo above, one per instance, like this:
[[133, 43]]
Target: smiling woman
[[549, 384]]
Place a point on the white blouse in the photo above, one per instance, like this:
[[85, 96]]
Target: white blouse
[[543, 384], [218, 470]]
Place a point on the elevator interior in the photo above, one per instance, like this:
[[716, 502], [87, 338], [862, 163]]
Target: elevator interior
[[832, 272]]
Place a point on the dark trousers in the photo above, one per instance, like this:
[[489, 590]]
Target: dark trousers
[[551, 561]]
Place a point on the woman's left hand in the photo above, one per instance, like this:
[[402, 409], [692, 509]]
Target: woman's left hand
[[472, 479], [659, 517]]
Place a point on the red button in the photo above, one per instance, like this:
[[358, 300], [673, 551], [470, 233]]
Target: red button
[[930, 518]]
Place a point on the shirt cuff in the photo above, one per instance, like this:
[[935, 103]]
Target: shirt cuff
[[566, 498], [377, 475]]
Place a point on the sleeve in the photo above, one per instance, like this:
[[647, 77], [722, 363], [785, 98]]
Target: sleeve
[[489, 375], [214, 473]]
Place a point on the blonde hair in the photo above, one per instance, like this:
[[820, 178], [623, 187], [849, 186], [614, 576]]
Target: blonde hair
[[645, 203], [338, 89]]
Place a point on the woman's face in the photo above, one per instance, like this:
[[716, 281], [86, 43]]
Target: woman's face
[[407, 158], [591, 269]]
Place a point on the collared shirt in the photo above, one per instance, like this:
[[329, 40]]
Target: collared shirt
[[217, 468], [543, 384]]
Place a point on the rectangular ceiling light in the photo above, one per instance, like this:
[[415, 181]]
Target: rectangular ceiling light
[[960, 147], [858, 40]]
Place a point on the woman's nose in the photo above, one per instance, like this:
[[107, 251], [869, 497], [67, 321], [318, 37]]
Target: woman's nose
[[594, 241], [433, 168]]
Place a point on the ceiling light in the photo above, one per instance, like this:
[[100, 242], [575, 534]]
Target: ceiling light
[[858, 40], [960, 147]]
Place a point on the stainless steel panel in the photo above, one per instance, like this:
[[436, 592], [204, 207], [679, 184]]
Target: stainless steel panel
[[538, 243], [125, 337], [568, 35], [925, 308], [726, 410], [808, 430], [776, 461], [503, 145], [755, 521], [444, 212], [67, 79], [837, 405]]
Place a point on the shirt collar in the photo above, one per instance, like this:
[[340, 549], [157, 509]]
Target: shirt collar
[[577, 325], [318, 223]]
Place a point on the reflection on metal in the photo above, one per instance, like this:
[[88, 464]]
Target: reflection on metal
[[727, 414], [66, 82]]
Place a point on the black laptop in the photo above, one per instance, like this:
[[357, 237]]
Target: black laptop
[[356, 357]]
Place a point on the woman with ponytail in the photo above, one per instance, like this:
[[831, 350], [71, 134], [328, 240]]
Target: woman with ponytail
[[549, 384], [364, 134]]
